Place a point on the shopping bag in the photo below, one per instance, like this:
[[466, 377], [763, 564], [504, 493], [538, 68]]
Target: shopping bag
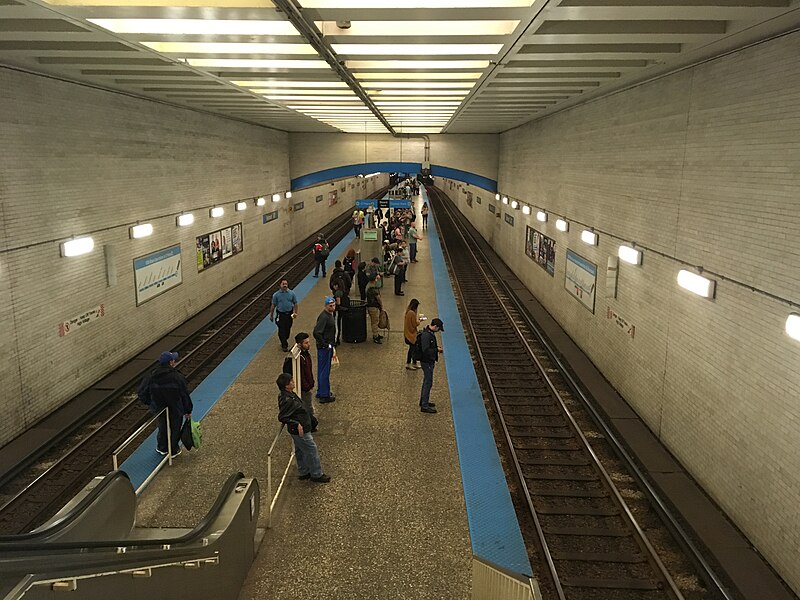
[[383, 320], [186, 435], [335, 359], [197, 434]]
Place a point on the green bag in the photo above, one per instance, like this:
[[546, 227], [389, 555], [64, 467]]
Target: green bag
[[197, 434]]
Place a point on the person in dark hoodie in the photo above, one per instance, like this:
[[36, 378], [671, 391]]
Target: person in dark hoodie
[[165, 386], [306, 374], [294, 415]]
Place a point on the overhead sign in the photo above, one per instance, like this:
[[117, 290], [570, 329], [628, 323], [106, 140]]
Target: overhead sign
[[366, 203], [156, 273], [399, 203]]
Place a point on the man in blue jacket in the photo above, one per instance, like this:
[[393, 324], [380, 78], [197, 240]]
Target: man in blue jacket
[[428, 359], [165, 386]]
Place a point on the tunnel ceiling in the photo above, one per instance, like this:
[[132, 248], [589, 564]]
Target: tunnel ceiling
[[415, 66]]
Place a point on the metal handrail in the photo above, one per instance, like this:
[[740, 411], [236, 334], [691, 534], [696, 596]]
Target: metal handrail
[[270, 500], [134, 435]]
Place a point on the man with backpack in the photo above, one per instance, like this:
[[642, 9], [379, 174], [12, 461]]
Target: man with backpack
[[427, 351], [339, 274], [166, 387], [321, 251]]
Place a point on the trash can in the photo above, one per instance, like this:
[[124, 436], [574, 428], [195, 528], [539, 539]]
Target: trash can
[[354, 322]]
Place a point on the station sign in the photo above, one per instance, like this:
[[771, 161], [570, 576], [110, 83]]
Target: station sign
[[366, 203], [399, 203]]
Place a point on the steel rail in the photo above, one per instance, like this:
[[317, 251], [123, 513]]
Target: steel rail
[[639, 534]]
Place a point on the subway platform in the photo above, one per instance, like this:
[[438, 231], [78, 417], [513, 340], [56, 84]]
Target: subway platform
[[413, 496]]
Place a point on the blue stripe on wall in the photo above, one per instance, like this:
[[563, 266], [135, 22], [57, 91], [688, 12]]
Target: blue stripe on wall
[[391, 167]]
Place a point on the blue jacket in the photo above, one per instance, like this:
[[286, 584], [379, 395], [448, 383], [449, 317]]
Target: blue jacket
[[166, 386]]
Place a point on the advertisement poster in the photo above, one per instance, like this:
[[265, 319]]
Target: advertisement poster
[[469, 198], [333, 197], [318, 198], [214, 247], [581, 279], [541, 249], [156, 273], [509, 219]]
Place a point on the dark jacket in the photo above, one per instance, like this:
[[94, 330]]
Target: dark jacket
[[306, 370], [292, 413], [166, 386], [325, 330], [430, 348], [362, 282], [346, 281]]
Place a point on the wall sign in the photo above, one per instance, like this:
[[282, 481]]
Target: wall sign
[[157, 273], [469, 199], [492, 208], [299, 206], [366, 203], [623, 324], [478, 199], [216, 246], [74, 323], [580, 279], [270, 216], [318, 198], [333, 197], [509, 219], [541, 249]]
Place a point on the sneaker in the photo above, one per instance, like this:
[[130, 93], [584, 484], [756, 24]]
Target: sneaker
[[377, 340], [432, 404], [178, 453], [304, 477], [415, 366], [409, 367], [380, 337], [326, 400], [399, 293], [428, 409], [161, 452], [321, 479]]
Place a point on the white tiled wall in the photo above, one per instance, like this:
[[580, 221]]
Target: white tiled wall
[[702, 166]]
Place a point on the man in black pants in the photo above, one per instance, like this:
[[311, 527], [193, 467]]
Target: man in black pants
[[165, 386], [286, 303], [400, 272]]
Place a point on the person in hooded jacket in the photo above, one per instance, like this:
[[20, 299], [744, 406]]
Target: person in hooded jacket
[[293, 414], [165, 386]]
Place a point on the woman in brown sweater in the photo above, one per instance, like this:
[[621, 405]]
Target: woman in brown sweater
[[410, 325]]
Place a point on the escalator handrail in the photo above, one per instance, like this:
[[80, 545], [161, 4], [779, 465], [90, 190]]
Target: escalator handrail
[[191, 536]]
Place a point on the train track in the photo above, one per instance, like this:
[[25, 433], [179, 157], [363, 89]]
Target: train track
[[34, 496], [597, 534]]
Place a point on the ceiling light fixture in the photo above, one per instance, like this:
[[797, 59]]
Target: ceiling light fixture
[[562, 225], [216, 212], [141, 231], [541, 216], [697, 284], [589, 237], [240, 206], [184, 220], [526, 210], [261, 201], [793, 326], [77, 247], [276, 197], [630, 255]]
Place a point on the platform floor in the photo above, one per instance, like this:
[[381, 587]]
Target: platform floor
[[392, 523]]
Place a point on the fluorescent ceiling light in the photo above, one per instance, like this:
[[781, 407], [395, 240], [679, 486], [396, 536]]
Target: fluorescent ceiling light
[[216, 212], [241, 206], [417, 28], [526, 210], [261, 201], [261, 4], [793, 326], [541, 216], [562, 225], [185, 219], [421, 85], [276, 197], [257, 63], [301, 91], [228, 48], [416, 64], [76, 247], [417, 103], [589, 237], [697, 284], [296, 98], [405, 4], [414, 49], [407, 75], [630, 255], [141, 231], [278, 83], [196, 26]]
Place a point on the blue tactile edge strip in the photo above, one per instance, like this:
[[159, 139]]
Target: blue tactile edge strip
[[144, 459], [391, 167], [493, 524]]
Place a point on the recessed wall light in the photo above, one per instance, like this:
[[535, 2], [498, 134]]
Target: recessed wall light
[[185, 219], [140, 231], [77, 246], [697, 284], [216, 212], [589, 237], [630, 255]]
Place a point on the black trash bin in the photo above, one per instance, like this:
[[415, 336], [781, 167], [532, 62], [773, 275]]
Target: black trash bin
[[354, 322]]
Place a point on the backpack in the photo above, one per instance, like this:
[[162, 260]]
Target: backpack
[[326, 250], [383, 320], [417, 351]]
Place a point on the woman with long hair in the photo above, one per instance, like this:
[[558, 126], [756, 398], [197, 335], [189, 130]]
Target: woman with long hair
[[424, 213], [410, 325]]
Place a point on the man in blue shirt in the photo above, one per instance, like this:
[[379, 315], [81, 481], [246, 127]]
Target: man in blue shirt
[[285, 302]]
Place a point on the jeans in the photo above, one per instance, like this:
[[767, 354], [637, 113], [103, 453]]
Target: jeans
[[357, 229], [284, 322], [324, 356], [175, 424], [427, 383], [317, 263], [410, 354], [306, 454], [424, 221], [412, 249]]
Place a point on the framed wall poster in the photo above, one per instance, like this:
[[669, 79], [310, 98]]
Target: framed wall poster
[[492, 208], [236, 238], [203, 252], [227, 248], [478, 199], [157, 273], [469, 199], [212, 248], [333, 197], [269, 217], [216, 247], [580, 279], [541, 249], [299, 206], [318, 198], [509, 219]]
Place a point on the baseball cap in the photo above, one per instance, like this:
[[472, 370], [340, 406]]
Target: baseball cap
[[330, 300], [166, 357], [439, 323]]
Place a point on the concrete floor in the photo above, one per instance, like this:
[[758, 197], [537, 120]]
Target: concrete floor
[[392, 522]]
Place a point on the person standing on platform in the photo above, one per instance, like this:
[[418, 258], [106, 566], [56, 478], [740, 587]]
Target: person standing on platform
[[410, 324], [358, 222], [321, 251], [325, 336], [362, 280], [374, 308], [285, 301], [166, 387], [303, 341], [400, 263], [424, 213], [430, 356], [370, 216], [342, 297], [294, 415], [413, 236]]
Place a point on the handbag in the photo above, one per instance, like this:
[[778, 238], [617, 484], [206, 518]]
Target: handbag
[[335, 359]]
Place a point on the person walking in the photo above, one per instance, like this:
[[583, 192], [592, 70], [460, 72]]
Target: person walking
[[430, 356], [424, 213], [413, 236], [303, 341], [294, 415], [166, 387], [374, 308], [285, 302], [325, 336], [321, 251], [410, 325]]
